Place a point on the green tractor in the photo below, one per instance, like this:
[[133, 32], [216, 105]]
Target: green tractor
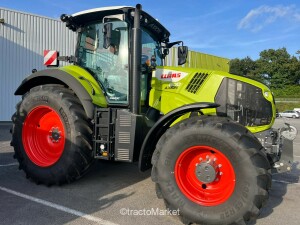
[[207, 135]]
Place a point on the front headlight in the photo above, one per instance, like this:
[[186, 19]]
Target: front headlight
[[266, 94]]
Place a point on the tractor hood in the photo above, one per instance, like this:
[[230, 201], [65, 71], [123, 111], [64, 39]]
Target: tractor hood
[[244, 100]]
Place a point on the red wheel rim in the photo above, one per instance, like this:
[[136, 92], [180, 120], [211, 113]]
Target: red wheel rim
[[189, 175], [43, 136]]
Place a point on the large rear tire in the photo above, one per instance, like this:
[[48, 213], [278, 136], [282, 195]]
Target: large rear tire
[[52, 135], [213, 170]]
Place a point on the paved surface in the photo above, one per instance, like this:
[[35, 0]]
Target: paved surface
[[99, 196]]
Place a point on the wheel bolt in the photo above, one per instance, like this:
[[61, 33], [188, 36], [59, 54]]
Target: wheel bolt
[[220, 165], [221, 173], [200, 159]]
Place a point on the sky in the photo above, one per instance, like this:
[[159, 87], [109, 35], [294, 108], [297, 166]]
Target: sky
[[231, 28]]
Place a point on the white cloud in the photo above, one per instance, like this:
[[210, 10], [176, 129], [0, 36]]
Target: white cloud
[[260, 17]]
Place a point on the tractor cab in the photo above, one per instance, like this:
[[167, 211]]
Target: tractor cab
[[106, 44]]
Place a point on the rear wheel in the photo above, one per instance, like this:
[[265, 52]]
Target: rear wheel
[[52, 135], [212, 170]]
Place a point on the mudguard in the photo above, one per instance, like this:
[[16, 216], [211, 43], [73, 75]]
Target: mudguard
[[74, 77], [161, 126]]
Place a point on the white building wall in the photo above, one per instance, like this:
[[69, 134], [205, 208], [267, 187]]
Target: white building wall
[[23, 38]]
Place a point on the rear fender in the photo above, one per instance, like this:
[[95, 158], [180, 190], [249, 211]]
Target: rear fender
[[83, 86]]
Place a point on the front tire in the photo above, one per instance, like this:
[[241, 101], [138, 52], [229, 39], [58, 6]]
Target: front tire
[[213, 170], [52, 135]]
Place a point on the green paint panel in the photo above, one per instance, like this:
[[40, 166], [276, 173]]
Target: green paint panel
[[88, 82]]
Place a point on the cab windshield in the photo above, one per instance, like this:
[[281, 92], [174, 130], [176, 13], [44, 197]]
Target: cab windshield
[[108, 64], [150, 48]]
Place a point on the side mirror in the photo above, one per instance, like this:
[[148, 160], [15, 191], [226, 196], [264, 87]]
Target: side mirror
[[111, 37], [182, 54], [107, 30]]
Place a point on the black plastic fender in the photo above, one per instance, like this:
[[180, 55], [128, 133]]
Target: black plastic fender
[[161, 126], [56, 76]]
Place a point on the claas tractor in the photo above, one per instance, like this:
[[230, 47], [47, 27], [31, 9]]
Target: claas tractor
[[206, 135]]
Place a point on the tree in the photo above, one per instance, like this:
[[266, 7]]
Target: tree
[[298, 53], [275, 68], [279, 67], [245, 67]]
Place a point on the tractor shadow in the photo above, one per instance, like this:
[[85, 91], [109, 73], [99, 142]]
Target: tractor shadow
[[5, 134], [6, 151], [109, 182], [280, 183]]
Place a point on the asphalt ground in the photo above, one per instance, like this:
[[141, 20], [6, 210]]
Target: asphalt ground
[[110, 189]]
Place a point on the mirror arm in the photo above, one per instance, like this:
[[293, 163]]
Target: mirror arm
[[170, 45]]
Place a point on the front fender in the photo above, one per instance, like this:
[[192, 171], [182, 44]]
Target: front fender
[[160, 128], [74, 77]]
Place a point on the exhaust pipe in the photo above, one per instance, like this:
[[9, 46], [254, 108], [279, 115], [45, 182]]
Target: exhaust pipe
[[136, 62]]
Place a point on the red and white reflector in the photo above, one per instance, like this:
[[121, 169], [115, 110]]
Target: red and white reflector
[[50, 58]]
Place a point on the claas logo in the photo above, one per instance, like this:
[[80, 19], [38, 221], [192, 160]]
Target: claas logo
[[170, 75]]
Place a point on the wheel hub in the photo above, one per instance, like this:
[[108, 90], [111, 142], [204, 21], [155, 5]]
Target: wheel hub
[[55, 134], [206, 173]]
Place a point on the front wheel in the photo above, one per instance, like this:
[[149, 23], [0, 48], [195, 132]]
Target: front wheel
[[213, 170], [52, 136]]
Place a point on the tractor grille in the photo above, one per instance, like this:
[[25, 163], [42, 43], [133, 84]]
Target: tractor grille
[[124, 137], [244, 103], [196, 82], [123, 155], [125, 120]]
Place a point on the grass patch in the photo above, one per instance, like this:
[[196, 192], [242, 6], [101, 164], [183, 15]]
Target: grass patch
[[289, 91], [282, 106]]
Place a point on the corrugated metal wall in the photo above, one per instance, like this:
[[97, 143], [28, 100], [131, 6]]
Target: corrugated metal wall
[[23, 37], [199, 60]]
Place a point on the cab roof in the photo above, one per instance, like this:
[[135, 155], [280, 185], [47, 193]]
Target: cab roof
[[101, 9], [147, 21]]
